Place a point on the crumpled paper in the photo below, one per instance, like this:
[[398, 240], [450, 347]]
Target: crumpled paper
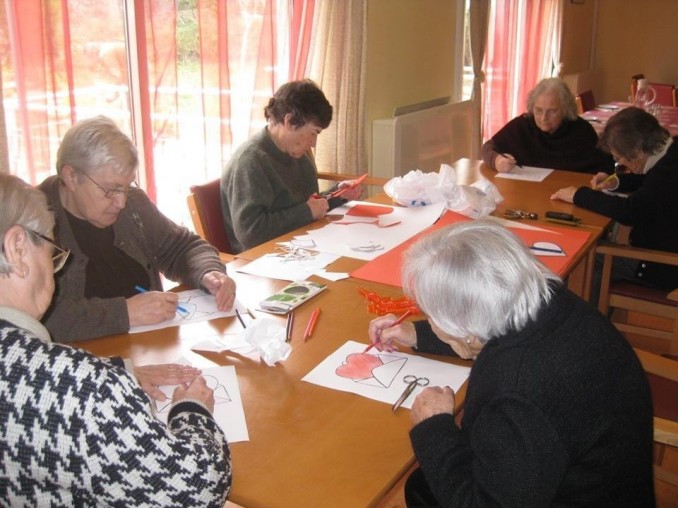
[[268, 337], [420, 189]]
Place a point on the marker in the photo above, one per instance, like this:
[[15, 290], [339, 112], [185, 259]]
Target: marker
[[544, 249], [311, 324], [142, 290]]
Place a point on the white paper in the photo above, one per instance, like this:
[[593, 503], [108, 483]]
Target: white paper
[[280, 266], [219, 343], [366, 241], [379, 376], [527, 173], [228, 410], [199, 306]]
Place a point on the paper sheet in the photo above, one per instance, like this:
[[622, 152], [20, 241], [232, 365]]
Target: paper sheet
[[289, 267], [527, 173], [228, 409], [200, 306], [379, 376], [366, 239]]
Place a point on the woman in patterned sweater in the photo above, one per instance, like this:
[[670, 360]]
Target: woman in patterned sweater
[[77, 430]]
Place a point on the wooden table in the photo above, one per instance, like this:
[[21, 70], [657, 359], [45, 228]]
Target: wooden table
[[518, 195], [309, 445], [598, 117]]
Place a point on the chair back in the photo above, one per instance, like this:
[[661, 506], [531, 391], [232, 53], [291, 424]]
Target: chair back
[[204, 203], [585, 101], [662, 374], [648, 317]]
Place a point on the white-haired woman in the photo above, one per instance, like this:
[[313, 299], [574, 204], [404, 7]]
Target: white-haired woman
[[549, 135], [77, 430], [119, 241], [558, 409]]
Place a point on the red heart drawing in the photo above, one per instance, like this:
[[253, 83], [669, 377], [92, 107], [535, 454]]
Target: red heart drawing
[[358, 366]]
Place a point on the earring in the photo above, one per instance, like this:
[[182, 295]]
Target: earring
[[468, 340]]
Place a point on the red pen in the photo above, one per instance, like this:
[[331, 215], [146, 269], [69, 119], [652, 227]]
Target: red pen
[[398, 321], [311, 324]]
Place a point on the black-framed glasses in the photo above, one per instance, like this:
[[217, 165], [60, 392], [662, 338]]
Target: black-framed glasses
[[112, 193], [60, 255]]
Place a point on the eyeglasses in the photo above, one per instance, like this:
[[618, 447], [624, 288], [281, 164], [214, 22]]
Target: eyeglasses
[[546, 113], [60, 255], [112, 193]]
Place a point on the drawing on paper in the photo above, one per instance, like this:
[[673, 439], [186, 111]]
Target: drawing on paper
[[221, 395], [373, 370], [197, 306]]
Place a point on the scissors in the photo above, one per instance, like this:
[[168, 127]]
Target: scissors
[[519, 214], [412, 383]]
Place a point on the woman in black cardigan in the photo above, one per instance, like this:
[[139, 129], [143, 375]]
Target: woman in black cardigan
[[558, 410]]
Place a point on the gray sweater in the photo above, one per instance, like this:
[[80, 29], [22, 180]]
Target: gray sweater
[[264, 192], [143, 233]]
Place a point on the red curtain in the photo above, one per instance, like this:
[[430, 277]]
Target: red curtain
[[204, 75]]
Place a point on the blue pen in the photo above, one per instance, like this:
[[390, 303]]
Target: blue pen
[[142, 290]]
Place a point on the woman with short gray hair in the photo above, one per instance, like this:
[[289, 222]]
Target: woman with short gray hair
[[549, 135], [558, 408]]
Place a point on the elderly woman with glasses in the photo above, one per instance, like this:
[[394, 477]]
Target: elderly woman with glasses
[[77, 430], [119, 241], [549, 135], [558, 409], [646, 192]]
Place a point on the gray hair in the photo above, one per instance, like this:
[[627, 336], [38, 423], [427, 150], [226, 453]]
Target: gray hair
[[96, 144], [22, 205], [476, 278], [633, 132], [567, 102]]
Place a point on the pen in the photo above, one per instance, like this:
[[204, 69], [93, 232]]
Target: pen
[[142, 290], [544, 249], [288, 328], [509, 156], [237, 313], [311, 324], [398, 321]]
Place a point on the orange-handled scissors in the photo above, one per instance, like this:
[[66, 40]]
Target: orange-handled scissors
[[412, 383]]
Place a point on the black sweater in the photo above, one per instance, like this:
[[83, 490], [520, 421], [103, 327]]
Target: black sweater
[[651, 209], [557, 414], [572, 147]]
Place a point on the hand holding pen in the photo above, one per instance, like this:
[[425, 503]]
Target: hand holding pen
[[386, 330], [505, 162], [151, 307], [603, 181]]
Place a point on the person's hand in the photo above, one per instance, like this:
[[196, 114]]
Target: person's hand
[[603, 181], [351, 194], [198, 390], [151, 377], [222, 287], [383, 334], [566, 194], [318, 206], [151, 307], [505, 163], [432, 401]]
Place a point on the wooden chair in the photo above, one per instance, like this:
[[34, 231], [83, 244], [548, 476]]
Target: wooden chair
[[585, 101], [648, 317], [662, 374], [204, 203]]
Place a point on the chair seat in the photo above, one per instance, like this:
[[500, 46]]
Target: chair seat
[[631, 290]]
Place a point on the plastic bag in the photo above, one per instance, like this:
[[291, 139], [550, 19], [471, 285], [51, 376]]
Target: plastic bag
[[417, 188]]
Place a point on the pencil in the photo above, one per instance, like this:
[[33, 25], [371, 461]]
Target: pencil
[[242, 322], [397, 322], [311, 324], [142, 290], [288, 328], [613, 175]]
